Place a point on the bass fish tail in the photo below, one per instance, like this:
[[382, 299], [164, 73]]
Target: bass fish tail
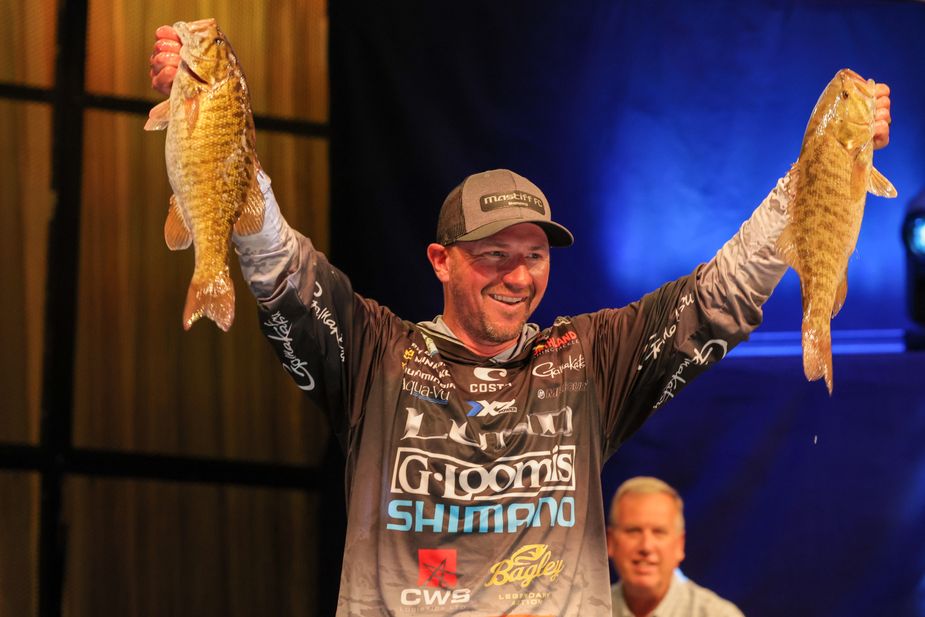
[[817, 354], [213, 299]]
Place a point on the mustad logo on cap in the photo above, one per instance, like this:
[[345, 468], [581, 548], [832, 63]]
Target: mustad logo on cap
[[516, 199]]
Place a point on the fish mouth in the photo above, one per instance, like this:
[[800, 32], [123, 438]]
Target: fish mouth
[[865, 86], [853, 75]]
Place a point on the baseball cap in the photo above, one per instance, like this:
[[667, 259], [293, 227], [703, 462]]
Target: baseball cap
[[487, 202]]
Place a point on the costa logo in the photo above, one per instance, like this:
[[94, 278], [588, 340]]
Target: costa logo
[[491, 375]]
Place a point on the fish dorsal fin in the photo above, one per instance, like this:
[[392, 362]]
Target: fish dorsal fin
[[840, 294], [176, 231], [251, 219], [158, 117], [879, 185]]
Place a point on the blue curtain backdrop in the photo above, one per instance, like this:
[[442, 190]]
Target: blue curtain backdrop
[[654, 128]]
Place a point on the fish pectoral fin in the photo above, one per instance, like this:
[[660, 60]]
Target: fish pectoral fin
[[840, 294], [879, 185], [192, 111], [251, 219], [176, 231], [158, 117]]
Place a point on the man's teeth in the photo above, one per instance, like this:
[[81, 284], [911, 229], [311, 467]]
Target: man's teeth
[[507, 299]]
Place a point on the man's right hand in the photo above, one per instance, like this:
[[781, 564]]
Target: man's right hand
[[164, 59]]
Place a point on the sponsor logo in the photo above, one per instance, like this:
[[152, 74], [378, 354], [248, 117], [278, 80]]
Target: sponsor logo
[[488, 374], [514, 199], [436, 568], [281, 329], [555, 391], [425, 378], [437, 366], [412, 515], [407, 355], [527, 564], [712, 351], [419, 472], [656, 342], [437, 580], [555, 343], [550, 369], [324, 315], [490, 408], [432, 393], [524, 598], [419, 425]]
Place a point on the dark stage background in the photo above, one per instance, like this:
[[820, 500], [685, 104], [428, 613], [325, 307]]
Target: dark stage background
[[654, 128]]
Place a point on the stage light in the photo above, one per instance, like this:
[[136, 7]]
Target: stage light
[[916, 238], [913, 233]]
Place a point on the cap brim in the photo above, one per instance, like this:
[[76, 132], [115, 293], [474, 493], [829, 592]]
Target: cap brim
[[558, 235]]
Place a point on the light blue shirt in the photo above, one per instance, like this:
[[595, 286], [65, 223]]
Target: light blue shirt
[[684, 599]]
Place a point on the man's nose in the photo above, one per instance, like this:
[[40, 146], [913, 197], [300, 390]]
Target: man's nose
[[518, 274], [646, 542]]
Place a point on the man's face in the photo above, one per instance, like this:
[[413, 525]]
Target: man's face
[[647, 544], [493, 285]]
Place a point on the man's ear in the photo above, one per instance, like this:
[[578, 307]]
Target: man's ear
[[438, 256]]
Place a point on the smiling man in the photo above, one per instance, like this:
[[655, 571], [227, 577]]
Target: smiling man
[[645, 541], [474, 442]]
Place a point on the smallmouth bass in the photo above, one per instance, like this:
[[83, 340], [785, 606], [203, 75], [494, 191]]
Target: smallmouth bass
[[211, 164], [834, 174]]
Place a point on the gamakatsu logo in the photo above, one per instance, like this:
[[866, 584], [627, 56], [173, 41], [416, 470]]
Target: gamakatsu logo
[[419, 472]]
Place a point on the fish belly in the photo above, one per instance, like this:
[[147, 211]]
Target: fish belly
[[212, 166], [825, 222]]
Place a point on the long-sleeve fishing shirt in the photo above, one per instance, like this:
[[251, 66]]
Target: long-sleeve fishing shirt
[[473, 483]]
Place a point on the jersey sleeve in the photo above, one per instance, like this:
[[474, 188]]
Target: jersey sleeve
[[646, 352], [308, 312]]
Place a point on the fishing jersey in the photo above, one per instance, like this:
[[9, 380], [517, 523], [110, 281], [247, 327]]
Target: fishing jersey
[[473, 484]]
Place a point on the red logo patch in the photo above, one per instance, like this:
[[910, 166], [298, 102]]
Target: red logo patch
[[436, 568]]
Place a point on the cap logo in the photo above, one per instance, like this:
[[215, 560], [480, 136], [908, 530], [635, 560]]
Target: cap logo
[[515, 199]]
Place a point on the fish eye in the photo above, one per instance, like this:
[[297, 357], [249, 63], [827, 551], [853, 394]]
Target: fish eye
[[218, 41], [844, 94]]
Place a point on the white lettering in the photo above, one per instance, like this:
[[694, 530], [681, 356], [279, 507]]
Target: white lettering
[[548, 369], [419, 472], [281, 333]]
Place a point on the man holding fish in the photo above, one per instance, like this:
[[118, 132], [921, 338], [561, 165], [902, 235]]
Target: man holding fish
[[474, 442]]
